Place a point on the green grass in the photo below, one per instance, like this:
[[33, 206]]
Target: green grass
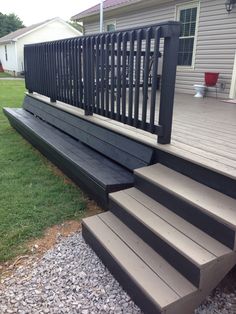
[[4, 74], [32, 195]]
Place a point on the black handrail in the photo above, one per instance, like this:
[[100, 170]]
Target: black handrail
[[111, 74]]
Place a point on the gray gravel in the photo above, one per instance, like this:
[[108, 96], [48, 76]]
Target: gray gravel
[[71, 279]]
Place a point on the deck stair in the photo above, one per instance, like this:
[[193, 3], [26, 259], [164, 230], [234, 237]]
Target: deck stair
[[168, 240]]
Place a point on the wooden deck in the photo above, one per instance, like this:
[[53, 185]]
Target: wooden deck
[[171, 218], [203, 131]]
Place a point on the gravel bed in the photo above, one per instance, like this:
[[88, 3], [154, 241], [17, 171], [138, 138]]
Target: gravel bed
[[70, 278]]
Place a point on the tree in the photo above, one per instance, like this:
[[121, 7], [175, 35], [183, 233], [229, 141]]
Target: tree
[[9, 23], [77, 26]]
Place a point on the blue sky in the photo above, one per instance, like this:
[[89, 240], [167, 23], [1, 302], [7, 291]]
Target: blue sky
[[31, 11]]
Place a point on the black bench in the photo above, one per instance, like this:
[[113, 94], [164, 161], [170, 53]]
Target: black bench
[[97, 159]]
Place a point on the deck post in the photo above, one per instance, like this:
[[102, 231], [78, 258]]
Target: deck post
[[88, 111], [170, 58]]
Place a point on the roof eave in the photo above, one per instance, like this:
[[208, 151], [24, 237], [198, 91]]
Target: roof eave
[[81, 16], [9, 41]]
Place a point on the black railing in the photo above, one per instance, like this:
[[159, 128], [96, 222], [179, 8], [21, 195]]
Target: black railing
[[111, 74]]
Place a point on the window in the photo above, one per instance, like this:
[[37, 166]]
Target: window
[[6, 53], [110, 26], [187, 15]]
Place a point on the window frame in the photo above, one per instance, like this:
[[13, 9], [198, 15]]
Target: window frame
[[184, 6], [109, 22]]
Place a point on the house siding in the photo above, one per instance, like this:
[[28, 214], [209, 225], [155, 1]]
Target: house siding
[[10, 64], [52, 31], [215, 39]]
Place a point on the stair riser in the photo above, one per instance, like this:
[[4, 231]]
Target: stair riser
[[214, 180], [192, 214], [134, 291], [179, 262]]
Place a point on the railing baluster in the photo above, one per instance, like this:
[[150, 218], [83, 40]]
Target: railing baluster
[[131, 72], [113, 37], [97, 60], [118, 80], [67, 71], [137, 77], [80, 77], [124, 76], [154, 78], [145, 78], [92, 71], [107, 70], [60, 83], [63, 71], [84, 80], [102, 68], [87, 76], [54, 74], [75, 69], [70, 71], [47, 69]]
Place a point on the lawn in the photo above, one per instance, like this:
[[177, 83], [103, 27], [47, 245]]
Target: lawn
[[4, 74], [33, 195]]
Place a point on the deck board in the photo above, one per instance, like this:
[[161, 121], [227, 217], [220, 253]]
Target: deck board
[[203, 131]]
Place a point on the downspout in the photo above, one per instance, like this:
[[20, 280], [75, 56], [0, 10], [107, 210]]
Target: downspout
[[16, 55], [101, 16]]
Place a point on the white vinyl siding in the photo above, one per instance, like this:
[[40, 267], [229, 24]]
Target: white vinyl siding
[[10, 63], [215, 39]]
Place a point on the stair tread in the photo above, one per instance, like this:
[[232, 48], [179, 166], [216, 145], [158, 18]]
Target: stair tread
[[157, 263], [200, 237], [153, 286], [214, 203], [175, 238]]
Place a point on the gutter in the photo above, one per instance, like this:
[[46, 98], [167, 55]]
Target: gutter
[[82, 15]]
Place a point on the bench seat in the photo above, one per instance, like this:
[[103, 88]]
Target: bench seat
[[94, 172]]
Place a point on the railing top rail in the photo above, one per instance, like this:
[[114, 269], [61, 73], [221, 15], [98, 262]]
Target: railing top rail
[[168, 29]]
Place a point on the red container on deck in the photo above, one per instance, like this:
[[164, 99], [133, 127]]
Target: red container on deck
[[211, 78]]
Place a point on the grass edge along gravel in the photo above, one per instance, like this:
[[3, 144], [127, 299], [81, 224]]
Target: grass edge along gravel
[[34, 195]]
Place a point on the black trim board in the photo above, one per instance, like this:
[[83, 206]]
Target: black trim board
[[137, 294], [187, 211], [179, 262]]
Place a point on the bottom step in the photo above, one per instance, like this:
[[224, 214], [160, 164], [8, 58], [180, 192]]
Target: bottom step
[[154, 285]]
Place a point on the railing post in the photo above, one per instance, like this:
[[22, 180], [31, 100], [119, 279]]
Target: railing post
[[170, 57], [88, 111]]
